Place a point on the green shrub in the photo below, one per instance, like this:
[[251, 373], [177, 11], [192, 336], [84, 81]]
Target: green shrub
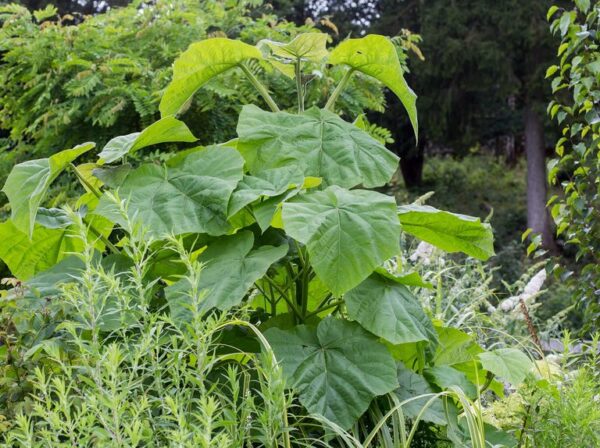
[[280, 222]]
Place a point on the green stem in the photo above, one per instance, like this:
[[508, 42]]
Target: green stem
[[325, 308], [338, 90], [284, 296], [84, 182], [260, 88], [299, 87], [105, 240]]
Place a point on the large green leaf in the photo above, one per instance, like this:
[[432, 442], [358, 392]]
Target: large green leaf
[[389, 310], [307, 46], [510, 364], [348, 233], [198, 64], [167, 129], [413, 385], [319, 142], [337, 368], [267, 183], [231, 268], [27, 256], [190, 197], [448, 231], [376, 56], [29, 181], [446, 376]]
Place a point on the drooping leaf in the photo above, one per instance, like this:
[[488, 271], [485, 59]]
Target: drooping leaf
[[319, 142], [337, 368], [231, 268], [306, 46], [268, 183], [510, 364], [348, 233], [376, 56], [199, 64], [27, 256], [190, 197], [413, 385], [167, 129], [389, 310], [28, 182], [448, 231]]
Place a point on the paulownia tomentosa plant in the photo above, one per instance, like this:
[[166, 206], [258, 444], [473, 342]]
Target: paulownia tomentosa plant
[[283, 220]]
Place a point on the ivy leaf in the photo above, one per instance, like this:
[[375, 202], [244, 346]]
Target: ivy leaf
[[347, 233], [28, 183], [413, 385], [307, 46], [337, 368], [25, 256], [267, 183], [376, 56], [231, 268], [167, 129], [201, 62], [319, 142], [448, 231], [389, 310], [189, 197], [509, 364]]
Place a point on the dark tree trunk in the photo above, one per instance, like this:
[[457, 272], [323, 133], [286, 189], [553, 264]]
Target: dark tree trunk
[[538, 218], [411, 165]]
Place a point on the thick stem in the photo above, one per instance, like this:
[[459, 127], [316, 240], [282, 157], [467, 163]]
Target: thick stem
[[261, 89], [338, 90], [84, 182], [299, 86]]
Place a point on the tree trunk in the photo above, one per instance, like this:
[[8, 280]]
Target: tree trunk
[[538, 218]]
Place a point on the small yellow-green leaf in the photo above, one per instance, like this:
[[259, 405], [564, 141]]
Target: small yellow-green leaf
[[199, 64], [167, 129], [307, 46]]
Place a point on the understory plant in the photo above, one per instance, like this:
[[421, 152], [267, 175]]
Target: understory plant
[[284, 222]]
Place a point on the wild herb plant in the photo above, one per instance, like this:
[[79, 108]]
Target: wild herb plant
[[285, 223]]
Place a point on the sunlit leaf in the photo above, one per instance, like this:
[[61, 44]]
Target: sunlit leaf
[[510, 364], [448, 231], [376, 56], [307, 46], [199, 64], [167, 129]]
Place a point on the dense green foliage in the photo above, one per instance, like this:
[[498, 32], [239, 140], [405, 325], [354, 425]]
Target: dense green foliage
[[62, 84], [284, 212], [576, 168]]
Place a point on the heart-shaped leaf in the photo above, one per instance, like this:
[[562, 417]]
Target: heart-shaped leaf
[[412, 387], [307, 46], [337, 368], [510, 364], [317, 141], [389, 310], [376, 56], [348, 233], [448, 231], [190, 197], [231, 268], [167, 129], [28, 183], [199, 64]]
